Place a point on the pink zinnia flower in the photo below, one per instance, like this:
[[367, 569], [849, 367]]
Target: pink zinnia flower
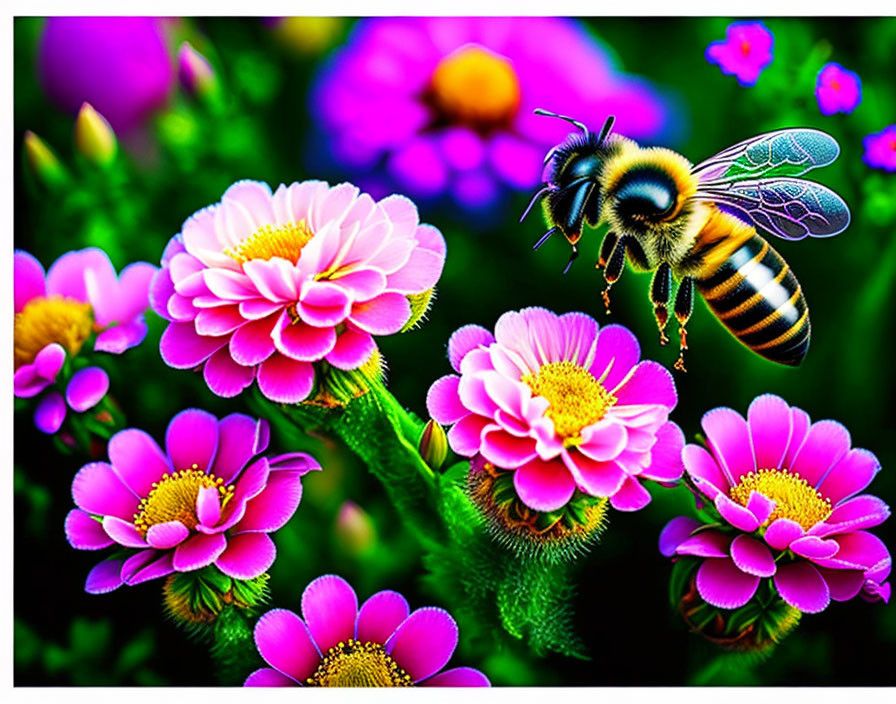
[[785, 490], [262, 285], [58, 312], [563, 404], [837, 89], [339, 645], [880, 149], [745, 51], [208, 498]]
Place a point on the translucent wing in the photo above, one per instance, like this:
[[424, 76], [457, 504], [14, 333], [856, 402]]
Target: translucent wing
[[785, 153], [787, 207]]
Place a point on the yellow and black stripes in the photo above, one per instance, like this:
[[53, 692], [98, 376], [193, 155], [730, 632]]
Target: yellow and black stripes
[[756, 296]]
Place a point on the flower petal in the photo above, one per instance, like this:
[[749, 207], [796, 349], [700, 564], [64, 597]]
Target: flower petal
[[199, 551], [544, 486], [330, 606], [50, 413], [84, 532], [224, 376], [123, 532], [268, 677], [850, 475], [703, 469], [247, 555], [769, 419], [104, 578], [722, 584], [825, 445], [676, 532], [97, 489], [458, 677], [631, 496], [163, 536], [801, 586], [192, 438], [285, 380], [464, 339], [728, 435], [443, 401], [275, 505], [735, 514], [782, 532], [380, 615], [424, 643], [137, 460], [752, 557], [283, 641]]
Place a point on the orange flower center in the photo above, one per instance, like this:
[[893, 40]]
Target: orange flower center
[[576, 398], [476, 87], [352, 663], [793, 497], [284, 241], [173, 498], [46, 320]]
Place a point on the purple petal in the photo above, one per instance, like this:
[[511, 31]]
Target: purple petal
[[182, 348], [49, 361], [735, 514], [801, 586], [858, 550], [850, 475], [330, 607], [676, 531], [137, 460], [159, 568], [729, 437], [166, 535], [843, 584], [458, 677], [50, 413], [782, 532], [722, 584], [192, 439], [268, 677], [104, 578], [424, 643], [84, 532], [283, 641], [769, 419], [380, 615], [119, 338], [123, 532], [86, 388], [706, 543], [199, 551], [825, 445], [98, 490], [247, 556], [137, 562], [752, 557]]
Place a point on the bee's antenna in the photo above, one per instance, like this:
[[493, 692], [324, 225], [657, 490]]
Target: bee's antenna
[[545, 236], [572, 258], [532, 202], [539, 111], [605, 130]]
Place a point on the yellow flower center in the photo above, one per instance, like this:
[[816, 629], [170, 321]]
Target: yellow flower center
[[46, 320], [284, 241], [474, 86], [173, 498], [793, 497], [356, 664], [576, 398]]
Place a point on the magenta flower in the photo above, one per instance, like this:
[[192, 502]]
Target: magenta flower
[[209, 498], [120, 65], [442, 106], [837, 89], [880, 149], [339, 645], [263, 285], [58, 312], [745, 51], [562, 404], [785, 490]]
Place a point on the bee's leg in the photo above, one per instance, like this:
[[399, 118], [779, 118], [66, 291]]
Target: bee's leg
[[572, 257], [614, 267], [660, 295], [606, 249], [684, 306], [545, 236]]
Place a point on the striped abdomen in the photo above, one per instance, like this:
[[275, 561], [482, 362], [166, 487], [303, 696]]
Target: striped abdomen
[[759, 300]]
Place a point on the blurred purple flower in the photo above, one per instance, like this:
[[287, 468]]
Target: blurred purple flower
[[120, 65], [837, 89], [443, 106], [745, 51], [880, 149]]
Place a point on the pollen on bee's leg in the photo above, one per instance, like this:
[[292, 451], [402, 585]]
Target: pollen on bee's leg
[[662, 317], [605, 294]]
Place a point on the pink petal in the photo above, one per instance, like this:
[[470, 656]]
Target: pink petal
[[302, 342], [769, 419], [182, 348], [285, 380], [275, 505], [419, 274], [424, 643], [782, 532], [665, 456], [238, 437], [702, 468], [268, 677], [722, 584], [252, 343], [208, 505], [864, 511], [505, 450], [464, 339], [813, 547], [85, 533], [850, 475], [801, 586], [123, 532], [631, 496], [595, 478], [752, 557], [330, 607], [676, 532], [706, 543], [283, 641], [544, 486], [323, 304], [843, 584], [380, 615], [86, 388], [384, 315], [212, 322], [28, 279], [97, 489], [728, 435], [224, 376], [650, 383], [199, 551], [353, 348], [825, 445], [443, 402], [603, 441], [465, 436], [735, 514], [800, 423], [458, 677], [166, 535], [617, 352], [192, 438], [247, 555]]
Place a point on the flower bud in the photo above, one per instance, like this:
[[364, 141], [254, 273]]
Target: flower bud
[[43, 161], [94, 136], [433, 445], [195, 72], [754, 628], [355, 531], [554, 536], [308, 35], [195, 599]]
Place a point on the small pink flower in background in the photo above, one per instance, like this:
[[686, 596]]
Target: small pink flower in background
[[120, 65], [786, 489], [745, 51], [208, 498], [837, 90], [562, 403], [262, 285], [382, 644], [880, 149], [57, 312]]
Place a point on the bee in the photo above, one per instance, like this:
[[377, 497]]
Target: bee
[[700, 225]]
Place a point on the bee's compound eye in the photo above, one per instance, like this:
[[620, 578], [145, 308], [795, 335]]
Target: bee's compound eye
[[646, 194]]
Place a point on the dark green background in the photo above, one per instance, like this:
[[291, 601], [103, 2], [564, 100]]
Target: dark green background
[[64, 636]]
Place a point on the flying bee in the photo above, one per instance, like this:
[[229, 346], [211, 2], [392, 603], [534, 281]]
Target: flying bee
[[700, 225]]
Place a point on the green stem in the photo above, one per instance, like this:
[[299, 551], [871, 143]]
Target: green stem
[[233, 651]]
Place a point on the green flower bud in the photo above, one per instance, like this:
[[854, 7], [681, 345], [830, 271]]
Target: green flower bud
[[43, 161], [433, 444], [94, 136]]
